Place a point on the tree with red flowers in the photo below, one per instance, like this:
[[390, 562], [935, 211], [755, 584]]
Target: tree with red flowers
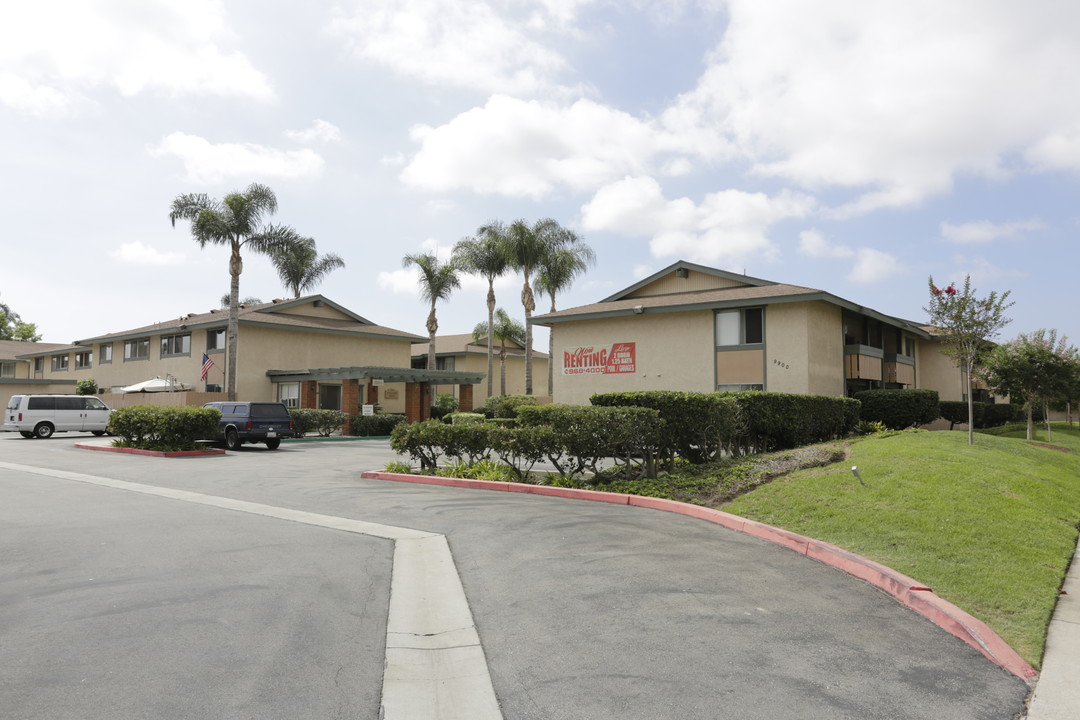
[[967, 326]]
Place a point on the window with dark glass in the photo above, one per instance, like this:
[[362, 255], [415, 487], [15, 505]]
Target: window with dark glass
[[175, 345], [59, 362], [84, 360], [215, 340], [105, 353], [137, 349], [740, 327]]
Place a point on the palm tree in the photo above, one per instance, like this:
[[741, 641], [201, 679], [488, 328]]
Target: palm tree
[[299, 266], [528, 246], [505, 328], [437, 281], [557, 273], [235, 221], [485, 255]]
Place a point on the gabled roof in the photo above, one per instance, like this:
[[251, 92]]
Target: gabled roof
[[271, 314], [463, 345], [12, 349], [754, 292]]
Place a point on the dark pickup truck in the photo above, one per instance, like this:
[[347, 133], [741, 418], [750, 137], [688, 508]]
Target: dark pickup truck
[[252, 422]]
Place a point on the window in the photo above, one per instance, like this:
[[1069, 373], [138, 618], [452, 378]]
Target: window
[[59, 362], [739, 387], [215, 341], [329, 397], [39, 365], [7, 369], [105, 353], [175, 345], [137, 349], [213, 387], [909, 347], [740, 327], [289, 394], [84, 360]]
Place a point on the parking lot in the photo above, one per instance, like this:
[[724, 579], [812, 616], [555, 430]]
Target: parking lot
[[118, 603]]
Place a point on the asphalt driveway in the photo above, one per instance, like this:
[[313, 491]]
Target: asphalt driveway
[[114, 604]]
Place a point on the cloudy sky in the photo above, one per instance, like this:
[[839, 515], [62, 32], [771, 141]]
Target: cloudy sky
[[854, 146]]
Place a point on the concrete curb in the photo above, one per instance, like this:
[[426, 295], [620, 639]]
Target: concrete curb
[[906, 590], [152, 453]]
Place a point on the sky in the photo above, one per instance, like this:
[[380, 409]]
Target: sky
[[854, 146]]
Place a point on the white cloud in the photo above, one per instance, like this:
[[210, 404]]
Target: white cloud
[[985, 231], [981, 270], [61, 50], [320, 131], [136, 253], [463, 43], [400, 282], [874, 266], [527, 148], [813, 243], [206, 162], [891, 100], [729, 226]]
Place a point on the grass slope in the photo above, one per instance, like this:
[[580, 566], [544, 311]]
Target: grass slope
[[990, 527]]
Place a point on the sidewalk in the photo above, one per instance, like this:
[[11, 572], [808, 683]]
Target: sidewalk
[[1057, 692]]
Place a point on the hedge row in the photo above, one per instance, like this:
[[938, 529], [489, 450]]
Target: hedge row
[[165, 429], [900, 409], [323, 422], [986, 415], [697, 426], [374, 425]]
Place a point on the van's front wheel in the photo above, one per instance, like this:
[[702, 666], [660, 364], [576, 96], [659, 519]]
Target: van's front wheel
[[44, 430]]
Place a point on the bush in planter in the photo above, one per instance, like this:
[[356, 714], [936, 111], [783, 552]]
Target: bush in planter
[[899, 409], [86, 387], [505, 406], [443, 405], [163, 428]]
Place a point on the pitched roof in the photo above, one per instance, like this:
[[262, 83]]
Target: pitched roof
[[11, 349], [266, 314], [755, 292], [463, 345]]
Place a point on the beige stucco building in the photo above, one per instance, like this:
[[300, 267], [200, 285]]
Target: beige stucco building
[[307, 352], [462, 353], [690, 327]]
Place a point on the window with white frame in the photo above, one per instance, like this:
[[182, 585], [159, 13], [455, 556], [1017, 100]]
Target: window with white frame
[[172, 345], [84, 360], [138, 349], [289, 394], [740, 327], [59, 362]]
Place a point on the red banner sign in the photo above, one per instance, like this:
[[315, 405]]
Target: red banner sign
[[619, 358]]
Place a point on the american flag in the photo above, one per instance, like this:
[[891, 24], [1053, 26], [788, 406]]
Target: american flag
[[207, 363]]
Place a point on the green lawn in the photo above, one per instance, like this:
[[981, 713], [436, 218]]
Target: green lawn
[[989, 527]]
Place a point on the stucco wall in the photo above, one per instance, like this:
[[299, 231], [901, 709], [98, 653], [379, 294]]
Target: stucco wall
[[804, 350], [515, 375], [674, 351], [936, 371]]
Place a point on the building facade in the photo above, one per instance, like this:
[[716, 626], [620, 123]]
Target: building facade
[[462, 353]]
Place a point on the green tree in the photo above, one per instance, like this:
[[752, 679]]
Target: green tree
[[437, 281], [1036, 369], [967, 325], [237, 222], [486, 256], [299, 265], [12, 326], [528, 246], [557, 273], [249, 300], [505, 328]]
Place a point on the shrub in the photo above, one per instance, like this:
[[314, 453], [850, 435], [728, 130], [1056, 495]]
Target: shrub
[[323, 422], [899, 409], [163, 428], [374, 425], [520, 448], [398, 467], [424, 442], [465, 418], [86, 387], [586, 434], [997, 414], [697, 426], [443, 405], [505, 406], [778, 421], [303, 420], [502, 422]]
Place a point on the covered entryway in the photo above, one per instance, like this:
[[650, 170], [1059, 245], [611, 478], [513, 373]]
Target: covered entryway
[[356, 386]]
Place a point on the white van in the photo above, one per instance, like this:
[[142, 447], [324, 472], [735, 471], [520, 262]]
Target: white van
[[42, 415]]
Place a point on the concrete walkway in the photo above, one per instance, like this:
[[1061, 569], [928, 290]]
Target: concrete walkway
[[1057, 693]]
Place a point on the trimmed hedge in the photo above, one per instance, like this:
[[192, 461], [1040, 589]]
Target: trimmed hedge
[[769, 421], [697, 426], [374, 425], [900, 409], [323, 422], [505, 406], [167, 429]]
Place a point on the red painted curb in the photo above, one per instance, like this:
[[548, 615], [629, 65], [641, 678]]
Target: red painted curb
[[906, 590], [152, 453]]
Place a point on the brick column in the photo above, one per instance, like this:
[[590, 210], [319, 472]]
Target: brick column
[[412, 402], [309, 394], [465, 398], [350, 396], [373, 394]]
